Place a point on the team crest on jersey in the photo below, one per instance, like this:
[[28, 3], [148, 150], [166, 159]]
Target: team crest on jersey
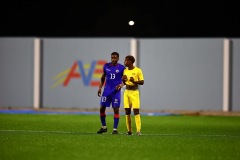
[[115, 100], [117, 71]]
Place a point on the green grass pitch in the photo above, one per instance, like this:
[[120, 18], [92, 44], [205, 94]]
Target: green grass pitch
[[73, 136]]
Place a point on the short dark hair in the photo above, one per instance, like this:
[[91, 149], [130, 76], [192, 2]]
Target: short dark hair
[[115, 53], [131, 58]]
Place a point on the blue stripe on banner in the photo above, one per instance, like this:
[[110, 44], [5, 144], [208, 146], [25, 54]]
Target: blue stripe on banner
[[65, 112]]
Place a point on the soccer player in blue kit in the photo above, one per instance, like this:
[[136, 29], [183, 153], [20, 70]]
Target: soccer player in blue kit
[[112, 74]]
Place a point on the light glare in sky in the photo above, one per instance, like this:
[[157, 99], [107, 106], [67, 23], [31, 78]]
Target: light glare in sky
[[131, 23]]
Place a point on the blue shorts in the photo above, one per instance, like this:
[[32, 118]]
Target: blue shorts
[[111, 98]]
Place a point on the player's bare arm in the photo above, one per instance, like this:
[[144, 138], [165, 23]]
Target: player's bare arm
[[101, 84], [124, 79], [119, 86]]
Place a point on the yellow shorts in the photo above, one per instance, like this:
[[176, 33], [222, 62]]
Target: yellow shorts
[[131, 99]]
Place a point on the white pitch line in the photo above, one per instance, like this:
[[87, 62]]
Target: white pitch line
[[32, 131], [67, 132], [200, 135]]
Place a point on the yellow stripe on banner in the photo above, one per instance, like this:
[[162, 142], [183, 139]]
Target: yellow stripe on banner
[[86, 66], [63, 73], [97, 76], [99, 67], [58, 82]]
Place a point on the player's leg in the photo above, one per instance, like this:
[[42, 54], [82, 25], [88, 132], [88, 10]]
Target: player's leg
[[136, 106], [103, 120], [115, 120], [128, 120], [137, 121], [104, 102], [103, 116], [116, 102], [127, 107]]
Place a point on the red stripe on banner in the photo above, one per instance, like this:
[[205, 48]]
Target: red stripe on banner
[[98, 71], [95, 83], [72, 74], [101, 62]]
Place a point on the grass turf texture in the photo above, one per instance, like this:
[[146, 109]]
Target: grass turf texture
[[44, 136]]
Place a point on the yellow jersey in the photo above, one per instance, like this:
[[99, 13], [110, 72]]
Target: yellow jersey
[[136, 73]]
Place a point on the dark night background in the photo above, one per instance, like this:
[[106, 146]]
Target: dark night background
[[76, 18]]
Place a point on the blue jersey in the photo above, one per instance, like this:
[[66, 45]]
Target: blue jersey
[[113, 75], [113, 78]]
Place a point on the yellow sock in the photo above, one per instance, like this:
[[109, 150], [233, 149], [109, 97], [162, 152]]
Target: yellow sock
[[138, 122], [129, 123]]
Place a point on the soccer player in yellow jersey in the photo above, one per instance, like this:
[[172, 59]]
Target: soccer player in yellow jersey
[[132, 77]]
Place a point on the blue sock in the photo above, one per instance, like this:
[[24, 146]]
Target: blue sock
[[103, 119], [116, 120]]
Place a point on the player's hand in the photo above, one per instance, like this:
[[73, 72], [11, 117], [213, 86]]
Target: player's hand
[[131, 79], [124, 78], [99, 92], [119, 86]]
